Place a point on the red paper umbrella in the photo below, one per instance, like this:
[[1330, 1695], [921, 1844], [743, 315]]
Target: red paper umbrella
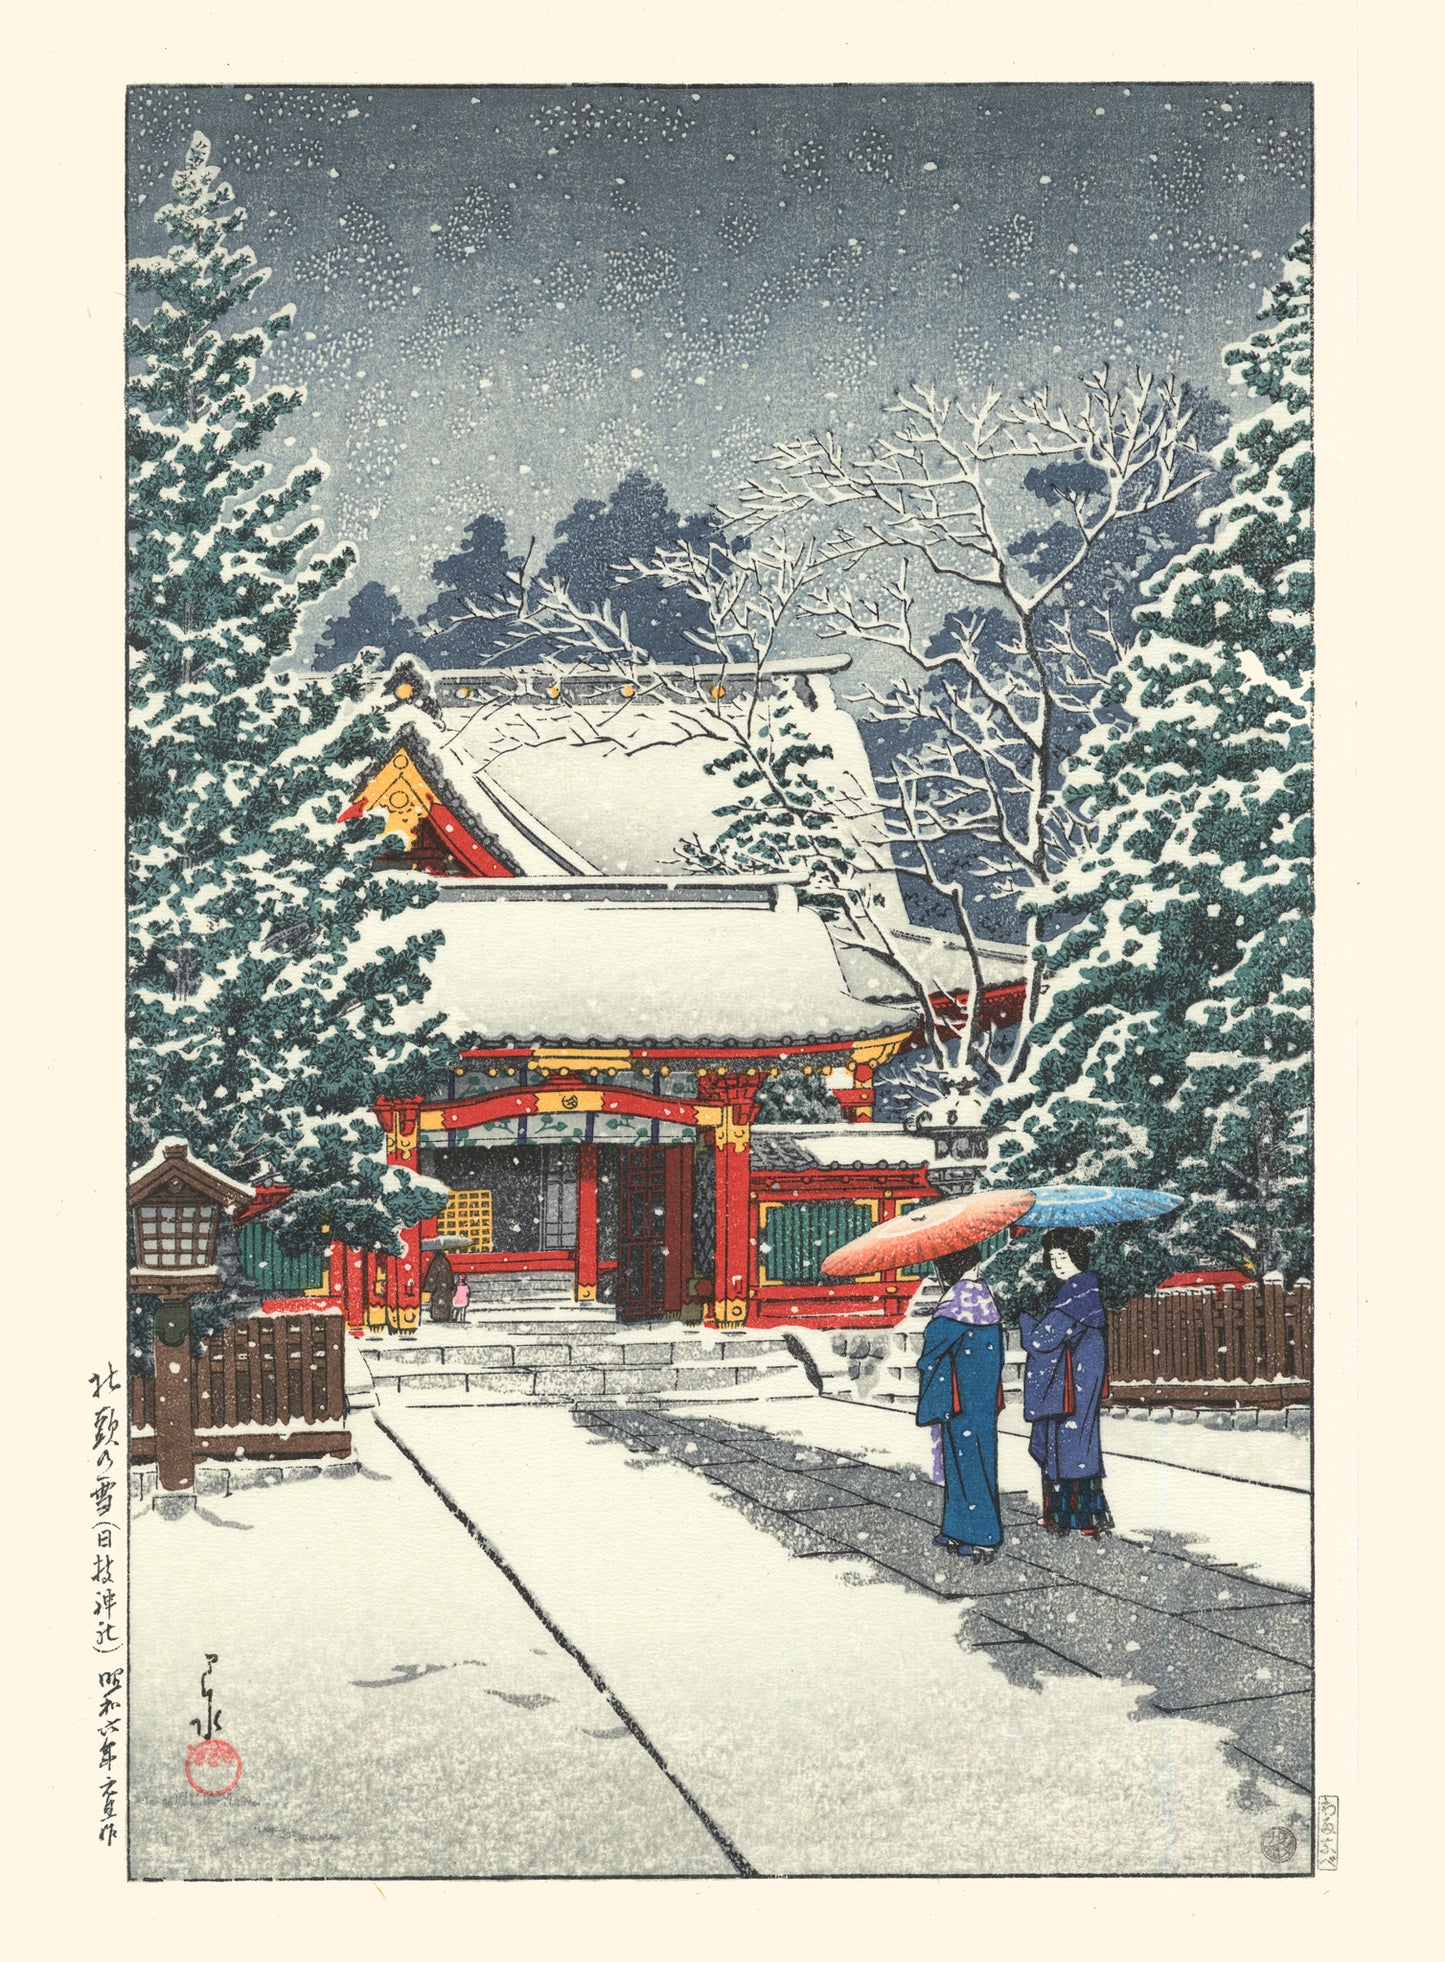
[[925, 1232]]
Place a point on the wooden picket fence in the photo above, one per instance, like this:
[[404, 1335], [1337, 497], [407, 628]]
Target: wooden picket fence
[[1197, 1347], [267, 1386]]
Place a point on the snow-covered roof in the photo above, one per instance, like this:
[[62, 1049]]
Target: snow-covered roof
[[593, 784], [538, 850], [939, 960], [173, 1155], [806, 1147], [497, 822], [613, 785], [618, 961]]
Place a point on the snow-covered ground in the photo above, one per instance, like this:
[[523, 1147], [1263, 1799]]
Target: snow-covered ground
[[823, 1715], [398, 1708], [401, 1708], [1266, 1457], [1240, 1497]]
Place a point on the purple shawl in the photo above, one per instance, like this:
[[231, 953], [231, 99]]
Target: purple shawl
[[969, 1301]]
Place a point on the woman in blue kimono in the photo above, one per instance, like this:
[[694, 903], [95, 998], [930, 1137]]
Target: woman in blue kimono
[[960, 1392], [1066, 1377]]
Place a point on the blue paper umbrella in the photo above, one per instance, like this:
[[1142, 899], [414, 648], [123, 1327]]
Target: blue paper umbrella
[[1094, 1205]]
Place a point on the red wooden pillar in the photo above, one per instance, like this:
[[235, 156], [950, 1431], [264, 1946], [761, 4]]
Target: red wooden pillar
[[400, 1117], [736, 1094], [587, 1222], [378, 1283], [360, 1312], [340, 1289], [732, 1162]]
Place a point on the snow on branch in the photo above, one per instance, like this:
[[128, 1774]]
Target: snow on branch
[[927, 515], [929, 484]]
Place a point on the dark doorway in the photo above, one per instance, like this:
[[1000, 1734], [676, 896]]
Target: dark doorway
[[642, 1251]]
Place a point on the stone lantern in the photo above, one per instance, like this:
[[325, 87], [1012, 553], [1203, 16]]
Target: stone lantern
[[955, 1128], [176, 1206]]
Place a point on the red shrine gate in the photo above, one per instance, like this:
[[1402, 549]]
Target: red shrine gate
[[661, 1206]]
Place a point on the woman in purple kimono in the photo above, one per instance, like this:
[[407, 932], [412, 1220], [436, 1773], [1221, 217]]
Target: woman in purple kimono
[[1066, 1377]]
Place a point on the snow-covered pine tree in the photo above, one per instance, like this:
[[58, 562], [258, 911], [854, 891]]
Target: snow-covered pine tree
[[252, 1031], [781, 820], [792, 1098], [1176, 1045]]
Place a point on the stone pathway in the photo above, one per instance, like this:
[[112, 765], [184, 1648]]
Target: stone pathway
[[1212, 1643]]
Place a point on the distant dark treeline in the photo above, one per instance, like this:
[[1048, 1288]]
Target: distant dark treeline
[[591, 546]]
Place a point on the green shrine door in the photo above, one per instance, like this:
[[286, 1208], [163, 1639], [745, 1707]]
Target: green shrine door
[[642, 1251]]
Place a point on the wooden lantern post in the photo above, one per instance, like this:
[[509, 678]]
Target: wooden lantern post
[[176, 1204]]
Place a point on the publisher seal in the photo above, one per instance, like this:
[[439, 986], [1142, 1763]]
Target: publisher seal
[[1278, 1845]]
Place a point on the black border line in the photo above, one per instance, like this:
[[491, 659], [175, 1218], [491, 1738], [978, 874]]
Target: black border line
[[1303, 80]]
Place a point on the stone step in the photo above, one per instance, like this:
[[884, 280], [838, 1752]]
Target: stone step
[[518, 1318], [480, 1358], [432, 1336], [484, 1289], [545, 1327], [529, 1347], [619, 1382]]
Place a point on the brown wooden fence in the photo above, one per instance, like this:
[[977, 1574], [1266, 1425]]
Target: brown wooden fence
[[1194, 1346], [268, 1386]]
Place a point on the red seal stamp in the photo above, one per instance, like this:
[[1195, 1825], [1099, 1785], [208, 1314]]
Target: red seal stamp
[[213, 1767]]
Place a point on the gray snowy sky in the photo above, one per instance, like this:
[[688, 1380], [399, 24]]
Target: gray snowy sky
[[510, 297]]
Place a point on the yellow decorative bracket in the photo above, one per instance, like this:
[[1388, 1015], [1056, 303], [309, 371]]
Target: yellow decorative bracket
[[402, 795], [728, 1133], [874, 1051], [402, 1133]]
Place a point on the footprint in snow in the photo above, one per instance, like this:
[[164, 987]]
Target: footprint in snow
[[401, 1672], [412, 1672]]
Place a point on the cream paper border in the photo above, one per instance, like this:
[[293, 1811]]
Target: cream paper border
[[63, 975]]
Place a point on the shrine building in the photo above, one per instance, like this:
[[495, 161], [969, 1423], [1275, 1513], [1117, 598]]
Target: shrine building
[[612, 1032]]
